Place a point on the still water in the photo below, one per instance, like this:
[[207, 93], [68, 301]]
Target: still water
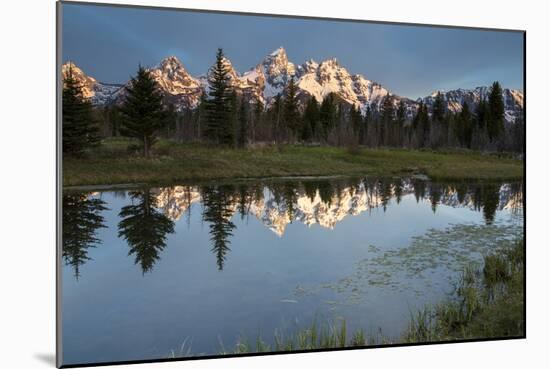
[[150, 269]]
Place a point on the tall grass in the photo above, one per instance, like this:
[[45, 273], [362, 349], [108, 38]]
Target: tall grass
[[316, 336], [488, 302]]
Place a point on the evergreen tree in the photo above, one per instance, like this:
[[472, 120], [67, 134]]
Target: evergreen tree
[[480, 137], [481, 114], [495, 122], [230, 135], [438, 110], [518, 134], [438, 133], [452, 128], [465, 126], [276, 113], [356, 120], [79, 127], [340, 121], [144, 228], [401, 117], [242, 138], [327, 115], [367, 123], [143, 112], [202, 118], [416, 120], [387, 118], [423, 125], [219, 127], [257, 121], [311, 119], [417, 125], [291, 113]]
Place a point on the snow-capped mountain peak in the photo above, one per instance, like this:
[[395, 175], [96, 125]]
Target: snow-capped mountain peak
[[277, 71], [172, 76], [513, 100], [270, 77], [179, 87], [279, 52], [172, 66], [98, 93]]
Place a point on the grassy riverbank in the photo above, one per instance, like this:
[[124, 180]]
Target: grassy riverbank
[[114, 163], [488, 303]]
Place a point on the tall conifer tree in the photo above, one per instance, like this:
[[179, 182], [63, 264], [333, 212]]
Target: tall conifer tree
[[276, 117], [367, 123], [291, 113], [400, 119], [465, 126], [438, 110], [495, 122], [311, 119], [143, 112], [242, 138], [219, 128], [386, 119], [327, 115], [80, 131]]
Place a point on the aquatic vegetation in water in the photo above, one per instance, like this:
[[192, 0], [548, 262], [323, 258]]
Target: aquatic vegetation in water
[[432, 260], [487, 302], [481, 306]]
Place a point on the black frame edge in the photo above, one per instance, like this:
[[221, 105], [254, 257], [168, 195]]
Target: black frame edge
[[59, 188]]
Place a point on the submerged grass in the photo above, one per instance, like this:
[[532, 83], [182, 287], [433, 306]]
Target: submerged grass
[[487, 303], [115, 162]]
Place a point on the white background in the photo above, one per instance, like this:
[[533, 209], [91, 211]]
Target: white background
[[27, 205]]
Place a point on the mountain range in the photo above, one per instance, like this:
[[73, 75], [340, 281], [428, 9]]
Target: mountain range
[[310, 210], [269, 77]]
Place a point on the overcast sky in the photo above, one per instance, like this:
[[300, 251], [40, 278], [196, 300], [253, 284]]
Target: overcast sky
[[109, 42]]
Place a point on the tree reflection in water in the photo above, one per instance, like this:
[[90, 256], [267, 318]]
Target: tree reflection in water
[[81, 220], [146, 222], [145, 228]]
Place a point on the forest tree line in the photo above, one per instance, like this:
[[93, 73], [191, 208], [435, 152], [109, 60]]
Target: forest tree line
[[225, 116]]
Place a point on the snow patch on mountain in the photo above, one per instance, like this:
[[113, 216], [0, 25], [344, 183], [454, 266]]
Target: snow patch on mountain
[[97, 92], [270, 77], [513, 100]]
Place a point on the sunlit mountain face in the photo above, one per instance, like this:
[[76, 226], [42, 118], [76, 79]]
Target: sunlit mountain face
[[278, 204], [267, 79]]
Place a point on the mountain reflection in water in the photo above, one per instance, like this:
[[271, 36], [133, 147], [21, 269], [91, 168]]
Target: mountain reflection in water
[[146, 222]]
